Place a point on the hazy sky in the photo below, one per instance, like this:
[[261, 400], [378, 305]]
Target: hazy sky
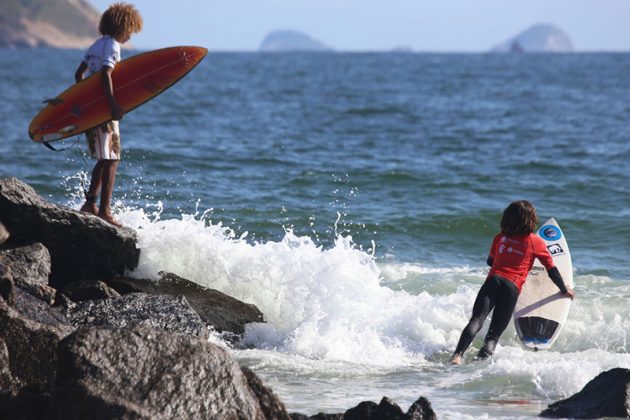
[[422, 25]]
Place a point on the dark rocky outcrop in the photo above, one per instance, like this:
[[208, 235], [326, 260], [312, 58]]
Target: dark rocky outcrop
[[607, 395], [169, 313], [421, 409], [90, 352], [147, 373], [217, 309], [30, 267], [81, 246], [385, 410]]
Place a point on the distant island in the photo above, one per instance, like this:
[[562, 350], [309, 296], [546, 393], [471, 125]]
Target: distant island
[[542, 37], [47, 23], [282, 41]]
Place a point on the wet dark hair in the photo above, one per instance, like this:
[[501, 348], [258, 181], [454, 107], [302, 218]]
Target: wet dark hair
[[120, 19], [519, 218]]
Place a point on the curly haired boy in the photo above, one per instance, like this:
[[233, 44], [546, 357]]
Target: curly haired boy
[[116, 26]]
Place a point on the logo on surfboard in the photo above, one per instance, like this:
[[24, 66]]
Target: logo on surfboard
[[555, 249], [550, 233]]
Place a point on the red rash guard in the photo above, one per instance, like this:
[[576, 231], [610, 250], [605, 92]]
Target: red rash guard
[[513, 256]]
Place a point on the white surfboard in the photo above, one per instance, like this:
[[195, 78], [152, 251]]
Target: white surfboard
[[541, 309]]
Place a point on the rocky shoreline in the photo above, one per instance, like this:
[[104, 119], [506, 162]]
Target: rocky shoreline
[[79, 339]]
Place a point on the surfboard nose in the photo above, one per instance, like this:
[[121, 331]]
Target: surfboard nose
[[193, 54]]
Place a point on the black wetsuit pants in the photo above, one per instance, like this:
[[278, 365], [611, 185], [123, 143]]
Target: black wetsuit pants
[[500, 294]]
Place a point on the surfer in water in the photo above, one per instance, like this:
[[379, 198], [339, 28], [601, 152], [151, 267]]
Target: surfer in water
[[117, 24], [511, 257]]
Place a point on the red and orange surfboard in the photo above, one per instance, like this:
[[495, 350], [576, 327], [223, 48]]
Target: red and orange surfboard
[[136, 80]]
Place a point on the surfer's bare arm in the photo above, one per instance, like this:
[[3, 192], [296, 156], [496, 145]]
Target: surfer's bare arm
[[106, 76], [78, 75], [556, 277]]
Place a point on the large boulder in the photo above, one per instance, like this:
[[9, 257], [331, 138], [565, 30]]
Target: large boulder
[[30, 268], [81, 246], [29, 333], [148, 374], [217, 309], [169, 313], [607, 395]]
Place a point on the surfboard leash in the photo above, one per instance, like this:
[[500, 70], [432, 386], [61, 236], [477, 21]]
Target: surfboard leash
[[84, 185], [49, 146]]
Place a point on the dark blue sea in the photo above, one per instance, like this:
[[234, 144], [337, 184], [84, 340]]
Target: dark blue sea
[[353, 198]]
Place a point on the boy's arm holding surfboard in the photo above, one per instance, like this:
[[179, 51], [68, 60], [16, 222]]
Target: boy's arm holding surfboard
[[106, 77], [108, 86]]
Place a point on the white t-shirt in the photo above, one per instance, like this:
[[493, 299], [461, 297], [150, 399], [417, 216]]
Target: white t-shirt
[[104, 52]]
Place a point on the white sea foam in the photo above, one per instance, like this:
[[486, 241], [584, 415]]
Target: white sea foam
[[319, 303]]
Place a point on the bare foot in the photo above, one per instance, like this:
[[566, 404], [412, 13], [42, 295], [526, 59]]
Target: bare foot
[[89, 208], [456, 359], [109, 219]]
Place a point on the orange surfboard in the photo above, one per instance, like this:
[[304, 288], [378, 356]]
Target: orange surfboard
[[136, 80]]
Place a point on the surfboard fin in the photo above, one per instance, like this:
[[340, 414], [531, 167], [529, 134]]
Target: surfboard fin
[[52, 101]]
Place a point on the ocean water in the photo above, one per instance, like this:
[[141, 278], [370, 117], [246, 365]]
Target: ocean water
[[353, 199]]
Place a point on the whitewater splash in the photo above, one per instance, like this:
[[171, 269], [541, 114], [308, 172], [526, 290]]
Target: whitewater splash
[[338, 303], [318, 303]]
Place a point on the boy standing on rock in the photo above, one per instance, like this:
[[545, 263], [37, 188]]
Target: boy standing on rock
[[117, 24]]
